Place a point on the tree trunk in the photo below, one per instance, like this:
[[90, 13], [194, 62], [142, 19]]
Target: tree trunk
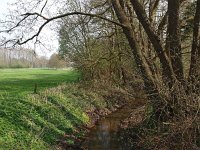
[[150, 86], [173, 39], [165, 62], [195, 52]]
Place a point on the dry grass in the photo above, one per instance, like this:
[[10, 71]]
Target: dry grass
[[180, 128]]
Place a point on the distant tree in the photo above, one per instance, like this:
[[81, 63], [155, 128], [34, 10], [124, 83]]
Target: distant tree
[[55, 61], [40, 62], [17, 57]]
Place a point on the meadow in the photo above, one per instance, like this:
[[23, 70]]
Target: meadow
[[15, 82], [37, 121]]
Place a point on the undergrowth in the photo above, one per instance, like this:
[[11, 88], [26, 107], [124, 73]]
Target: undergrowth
[[180, 130]]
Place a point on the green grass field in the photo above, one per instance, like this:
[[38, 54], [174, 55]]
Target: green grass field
[[16, 82], [36, 121]]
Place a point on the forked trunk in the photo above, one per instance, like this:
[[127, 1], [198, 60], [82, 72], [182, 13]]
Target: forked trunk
[[150, 86]]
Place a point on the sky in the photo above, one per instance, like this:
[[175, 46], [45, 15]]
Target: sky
[[50, 44], [4, 6]]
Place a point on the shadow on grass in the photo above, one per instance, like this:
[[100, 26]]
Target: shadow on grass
[[44, 121], [51, 121]]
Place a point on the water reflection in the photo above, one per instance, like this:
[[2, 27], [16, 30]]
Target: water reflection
[[104, 136]]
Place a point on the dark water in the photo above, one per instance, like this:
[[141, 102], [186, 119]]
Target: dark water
[[104, 136]]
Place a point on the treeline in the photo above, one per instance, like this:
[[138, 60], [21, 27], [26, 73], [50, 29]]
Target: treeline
[[100, 49], [21, 58], [97, 48], [27, 58]]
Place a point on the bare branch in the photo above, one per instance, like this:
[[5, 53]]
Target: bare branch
[[17, 25], [34, 14], [43, 7], [58, 17]]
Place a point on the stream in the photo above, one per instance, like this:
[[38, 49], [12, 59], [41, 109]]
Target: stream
[[104, 136]]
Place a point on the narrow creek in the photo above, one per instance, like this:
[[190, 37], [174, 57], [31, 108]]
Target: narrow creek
[[104, 136]]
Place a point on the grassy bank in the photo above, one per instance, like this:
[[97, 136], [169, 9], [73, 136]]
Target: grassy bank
[[27, 122], [38, 121]]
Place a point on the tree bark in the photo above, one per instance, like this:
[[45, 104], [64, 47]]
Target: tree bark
[[173, 39], [152, 9], [195, 52]]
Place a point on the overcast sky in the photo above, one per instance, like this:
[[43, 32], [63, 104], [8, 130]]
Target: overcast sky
[[4, 6], [52, 43]]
